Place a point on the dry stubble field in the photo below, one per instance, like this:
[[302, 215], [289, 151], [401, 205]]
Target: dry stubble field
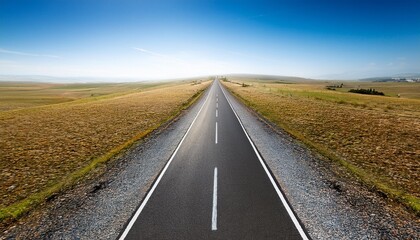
[[19, 95], [46, 147], [375, 137]]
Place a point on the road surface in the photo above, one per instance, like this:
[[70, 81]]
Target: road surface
[[215, 186]]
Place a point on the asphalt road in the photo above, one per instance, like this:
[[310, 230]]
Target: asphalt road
[[215, 186]]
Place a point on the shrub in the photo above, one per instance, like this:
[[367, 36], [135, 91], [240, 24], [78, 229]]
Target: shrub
[[369, 91]]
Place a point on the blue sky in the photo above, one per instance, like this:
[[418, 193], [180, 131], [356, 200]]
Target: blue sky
[[169, 39]]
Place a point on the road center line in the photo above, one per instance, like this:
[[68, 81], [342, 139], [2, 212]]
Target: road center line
[[216, 133], [214, 213], [152, 189]]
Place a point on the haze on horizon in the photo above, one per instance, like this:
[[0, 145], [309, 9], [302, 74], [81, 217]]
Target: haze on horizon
[[182, 38]]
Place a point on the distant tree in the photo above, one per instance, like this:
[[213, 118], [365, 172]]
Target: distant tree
[[369, 91]]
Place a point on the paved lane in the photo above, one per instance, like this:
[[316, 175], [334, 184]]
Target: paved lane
[[215, 186]]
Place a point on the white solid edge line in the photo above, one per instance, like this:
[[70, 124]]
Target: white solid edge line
[[149, 194], [214, 213], [283, 200]]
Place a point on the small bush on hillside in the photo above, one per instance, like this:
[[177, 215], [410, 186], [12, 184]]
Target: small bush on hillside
[[333, 87], [369, 91]]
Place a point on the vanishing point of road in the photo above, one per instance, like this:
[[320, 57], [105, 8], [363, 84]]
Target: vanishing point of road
[[215, 186]]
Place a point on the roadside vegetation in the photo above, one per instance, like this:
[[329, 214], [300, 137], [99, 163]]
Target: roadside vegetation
[[377, 138], [48, 145], [369, 91]]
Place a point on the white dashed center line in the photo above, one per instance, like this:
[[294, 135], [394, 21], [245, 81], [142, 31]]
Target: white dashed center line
[[216, 133], [214, 213]]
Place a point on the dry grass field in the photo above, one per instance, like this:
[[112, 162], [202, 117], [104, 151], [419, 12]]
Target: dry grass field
[[18, 95], [392, 89], [46, 147], [376, 137]]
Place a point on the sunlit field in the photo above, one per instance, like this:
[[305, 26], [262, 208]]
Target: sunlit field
[[53, 134], [375, 137], [18, 95]]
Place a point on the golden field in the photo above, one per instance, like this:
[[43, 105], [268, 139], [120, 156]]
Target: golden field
[[45, 148], [376, 137], [19, 95]]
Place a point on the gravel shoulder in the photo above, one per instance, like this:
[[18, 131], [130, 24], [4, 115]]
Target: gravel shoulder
[[329, 202]]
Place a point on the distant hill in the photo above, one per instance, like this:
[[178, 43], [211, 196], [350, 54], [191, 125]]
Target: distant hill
[[51, 79], [270, 78], [409, 77]]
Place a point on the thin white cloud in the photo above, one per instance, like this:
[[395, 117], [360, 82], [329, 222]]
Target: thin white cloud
[[150, 52], [160, 55], [27, 54]]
